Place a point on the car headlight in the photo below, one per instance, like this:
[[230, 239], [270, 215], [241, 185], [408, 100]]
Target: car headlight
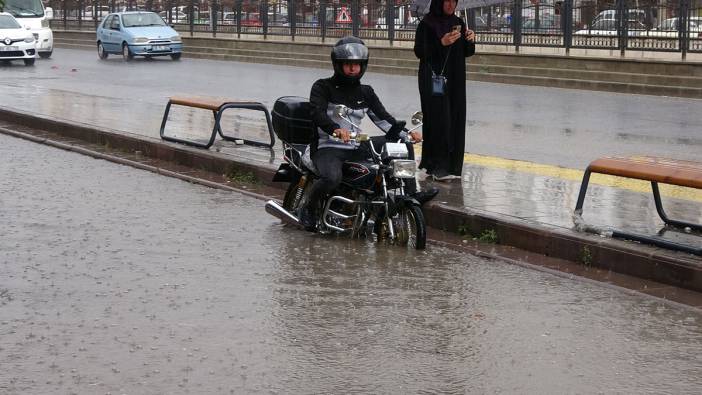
[[44, 23], [403, 168], [29, 39], [175, 38], [141, 40]]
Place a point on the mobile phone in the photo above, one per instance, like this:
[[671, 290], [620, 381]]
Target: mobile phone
[[457, 28]]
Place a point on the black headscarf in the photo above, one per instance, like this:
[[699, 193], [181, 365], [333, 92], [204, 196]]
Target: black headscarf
[[437, 20]]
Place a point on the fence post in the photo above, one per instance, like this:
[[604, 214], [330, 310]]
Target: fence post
[[292, 18], [322, 18], [263, 13], [390, 19], [192, 17], [214, 17], [621, 18], [237, 13], [517, 24], [355, 18], [567, 17], [683, 23]]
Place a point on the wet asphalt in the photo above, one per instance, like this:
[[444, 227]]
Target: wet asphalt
[[117, 280], [552, 126]]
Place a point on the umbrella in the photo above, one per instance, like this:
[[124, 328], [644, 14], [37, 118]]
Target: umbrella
[[421, 7]]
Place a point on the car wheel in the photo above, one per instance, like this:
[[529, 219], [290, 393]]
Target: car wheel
[[29, 62], [126, 53], [102, 54], [46, 55], [176, 56]]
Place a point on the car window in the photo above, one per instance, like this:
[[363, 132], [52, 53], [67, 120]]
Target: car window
[[8, 22], [604, 24], [115, 23], [142, 19], [106, 23]]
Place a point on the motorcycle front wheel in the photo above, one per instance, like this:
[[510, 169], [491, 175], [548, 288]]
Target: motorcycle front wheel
[[410, 227]]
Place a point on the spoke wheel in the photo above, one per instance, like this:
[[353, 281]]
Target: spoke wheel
[[410, 229]]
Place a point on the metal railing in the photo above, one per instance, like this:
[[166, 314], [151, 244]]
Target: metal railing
[[623, 25]]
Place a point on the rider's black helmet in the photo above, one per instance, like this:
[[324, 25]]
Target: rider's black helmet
[[349, 49]]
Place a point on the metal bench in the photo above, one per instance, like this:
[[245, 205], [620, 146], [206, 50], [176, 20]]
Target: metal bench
[[217, 106], [653, 169]]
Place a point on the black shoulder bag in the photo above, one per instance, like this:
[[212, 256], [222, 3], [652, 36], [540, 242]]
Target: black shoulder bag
[[438, 82]]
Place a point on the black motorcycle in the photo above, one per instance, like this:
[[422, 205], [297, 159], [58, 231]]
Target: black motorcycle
[[370, 202]]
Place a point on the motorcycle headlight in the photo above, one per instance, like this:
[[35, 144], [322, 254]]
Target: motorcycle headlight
[[44, 23], [141, 40], [29, 39], [403, 168], [175, 38]]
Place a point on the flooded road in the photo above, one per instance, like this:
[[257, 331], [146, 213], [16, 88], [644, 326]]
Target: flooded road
[[116, 280]]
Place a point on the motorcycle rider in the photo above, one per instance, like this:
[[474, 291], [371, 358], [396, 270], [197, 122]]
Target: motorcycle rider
[[333, 147]]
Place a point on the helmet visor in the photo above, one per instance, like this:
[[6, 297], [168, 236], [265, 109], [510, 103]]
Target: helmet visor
[[351, 51]]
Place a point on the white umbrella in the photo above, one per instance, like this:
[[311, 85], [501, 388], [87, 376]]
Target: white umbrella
[[421, 7]]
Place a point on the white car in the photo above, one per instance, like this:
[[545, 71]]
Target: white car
[[16, 42]]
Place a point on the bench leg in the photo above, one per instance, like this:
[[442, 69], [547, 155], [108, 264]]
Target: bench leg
[[184, 141], [657, 241], [255, 107], [583, 192], [163, 122], [664, 216]]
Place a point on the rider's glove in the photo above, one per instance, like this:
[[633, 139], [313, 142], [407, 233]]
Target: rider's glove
[[395, 133]]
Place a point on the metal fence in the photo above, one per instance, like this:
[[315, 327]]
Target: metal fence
[[640, 25]]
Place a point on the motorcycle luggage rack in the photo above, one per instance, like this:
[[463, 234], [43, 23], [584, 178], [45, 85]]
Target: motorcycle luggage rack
[[217, 106]]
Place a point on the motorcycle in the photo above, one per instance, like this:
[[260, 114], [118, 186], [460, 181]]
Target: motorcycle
[[371, 200]]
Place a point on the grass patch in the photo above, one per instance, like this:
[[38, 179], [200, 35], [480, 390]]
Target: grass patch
[[586, 256], [489, 236], [242, 177]]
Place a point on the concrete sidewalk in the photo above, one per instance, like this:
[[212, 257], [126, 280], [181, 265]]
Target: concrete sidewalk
[[528, 206]]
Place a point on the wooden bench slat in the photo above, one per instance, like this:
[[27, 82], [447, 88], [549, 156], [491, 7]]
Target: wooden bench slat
[[666, 171], [207, 103]]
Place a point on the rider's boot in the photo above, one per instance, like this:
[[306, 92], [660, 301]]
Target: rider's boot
[[308, 219], [412, 189], [425, 196]]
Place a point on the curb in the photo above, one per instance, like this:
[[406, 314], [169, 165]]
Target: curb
[[646, 262]]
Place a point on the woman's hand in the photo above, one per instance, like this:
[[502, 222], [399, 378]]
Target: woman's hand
[[470, 35], [450, 38]]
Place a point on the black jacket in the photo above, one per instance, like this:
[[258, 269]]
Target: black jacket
[[328, 92]]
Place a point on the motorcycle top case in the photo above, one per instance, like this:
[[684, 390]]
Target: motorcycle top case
[[291, 120]]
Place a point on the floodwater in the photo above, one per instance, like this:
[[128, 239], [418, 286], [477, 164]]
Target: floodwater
[[116, 280]]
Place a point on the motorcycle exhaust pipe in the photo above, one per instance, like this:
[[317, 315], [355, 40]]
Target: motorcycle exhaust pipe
[[274, 209]]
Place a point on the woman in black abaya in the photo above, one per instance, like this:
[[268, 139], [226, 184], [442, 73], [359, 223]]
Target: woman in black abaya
[[442, 37]]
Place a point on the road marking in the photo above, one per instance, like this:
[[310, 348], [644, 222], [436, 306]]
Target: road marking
[[577, 175]]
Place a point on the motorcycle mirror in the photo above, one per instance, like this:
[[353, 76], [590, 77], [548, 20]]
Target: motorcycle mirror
[[340, 110], [417, 118]]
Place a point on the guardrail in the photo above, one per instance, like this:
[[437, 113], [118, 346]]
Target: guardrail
[[623, 25]]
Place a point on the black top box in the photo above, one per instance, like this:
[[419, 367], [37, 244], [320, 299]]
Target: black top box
[[292, 122]]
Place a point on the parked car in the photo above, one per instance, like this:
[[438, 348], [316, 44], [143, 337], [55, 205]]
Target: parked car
[[176, 16], [671, 28], [137, 33], [547, 23], [99, 12], [16, 42], [608, 27]]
